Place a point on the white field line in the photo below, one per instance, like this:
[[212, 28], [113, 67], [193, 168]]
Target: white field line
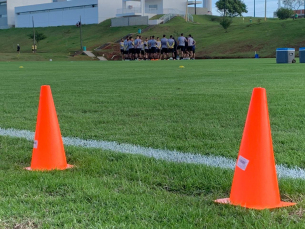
[[167, 155]]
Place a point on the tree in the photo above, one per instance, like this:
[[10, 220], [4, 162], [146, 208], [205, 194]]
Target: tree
[[225, 23], [284, 13], [231, 8], [38, 36]]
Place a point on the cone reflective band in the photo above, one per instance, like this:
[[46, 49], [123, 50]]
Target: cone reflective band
[[255, 182], [48, 148]]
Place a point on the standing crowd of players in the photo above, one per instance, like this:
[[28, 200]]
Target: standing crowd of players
[[155, 49]]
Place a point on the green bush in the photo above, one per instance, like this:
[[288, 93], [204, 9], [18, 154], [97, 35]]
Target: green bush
[[225, 23], [216, 19], [284, 13]]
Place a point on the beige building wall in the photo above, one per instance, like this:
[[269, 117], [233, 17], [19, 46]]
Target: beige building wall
[[108, 9], [179, 5], [199, 11]]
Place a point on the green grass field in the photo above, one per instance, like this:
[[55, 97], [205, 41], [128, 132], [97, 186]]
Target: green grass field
[[198, 109]]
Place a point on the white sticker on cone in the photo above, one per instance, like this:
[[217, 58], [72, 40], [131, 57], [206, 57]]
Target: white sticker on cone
[[242, 163], [35, 144]]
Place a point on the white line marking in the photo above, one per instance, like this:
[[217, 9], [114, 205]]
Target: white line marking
[[167, 155]]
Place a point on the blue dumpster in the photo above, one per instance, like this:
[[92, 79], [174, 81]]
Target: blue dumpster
[[285, 55], [84, 48], [302, 55], [139, 31]]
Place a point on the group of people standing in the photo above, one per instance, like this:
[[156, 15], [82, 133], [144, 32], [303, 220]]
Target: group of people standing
[[158, 49]]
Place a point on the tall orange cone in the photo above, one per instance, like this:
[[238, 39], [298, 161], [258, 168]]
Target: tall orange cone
[[48, 150], [255, 182]]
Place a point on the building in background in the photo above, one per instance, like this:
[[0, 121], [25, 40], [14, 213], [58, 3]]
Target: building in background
[[63, 12], [20, 13], [3, 15], [153, 7], [202, 7]]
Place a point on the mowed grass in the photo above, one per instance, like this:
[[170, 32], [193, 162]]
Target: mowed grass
[[200, 109]]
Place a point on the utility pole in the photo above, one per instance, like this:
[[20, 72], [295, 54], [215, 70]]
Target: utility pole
[[224, 10], [195, 7], [186, 11], [265, 10], [80, 31], [254, 8], [34, 36]]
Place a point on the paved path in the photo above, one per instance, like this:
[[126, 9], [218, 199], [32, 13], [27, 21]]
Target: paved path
[[101, 58], [89, 53]]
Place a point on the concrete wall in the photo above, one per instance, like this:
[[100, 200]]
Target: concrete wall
[[138, 20], [3, 23], [120, 21], [11, 4], [107, 9], [208, 5], [129, 21], [199, 11], [3, 10], [150, 3], [179, 5], [130, 3], [3, 17], [154, 22], [58, 13]]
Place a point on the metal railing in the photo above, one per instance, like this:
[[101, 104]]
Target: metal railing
[[167, 17], [189, 17], [129, 10], [175, 12], [169, 13]]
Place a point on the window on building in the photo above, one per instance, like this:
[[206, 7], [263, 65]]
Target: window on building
[[153, 7]]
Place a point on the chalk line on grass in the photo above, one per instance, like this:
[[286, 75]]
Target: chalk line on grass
[[160, 154]]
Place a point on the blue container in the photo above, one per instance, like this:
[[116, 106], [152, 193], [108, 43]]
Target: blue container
[[285, 55], [139, 31], [302, 55], [256, 56], [84, 48]]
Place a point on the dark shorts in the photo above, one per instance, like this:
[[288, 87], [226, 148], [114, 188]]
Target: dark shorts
[[137, 51], [146, 50], [193, 49], [153, 49], [158, 50], [163, 50], [142, 52], [181, 47], [170, 50], [122, 51], [126, 52], [190, 48], [131, 51]]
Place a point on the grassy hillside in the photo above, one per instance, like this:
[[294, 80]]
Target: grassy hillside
[[242, 39]]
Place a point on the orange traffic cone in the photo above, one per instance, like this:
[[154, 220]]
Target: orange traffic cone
[[255, 182], [48, 150]]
